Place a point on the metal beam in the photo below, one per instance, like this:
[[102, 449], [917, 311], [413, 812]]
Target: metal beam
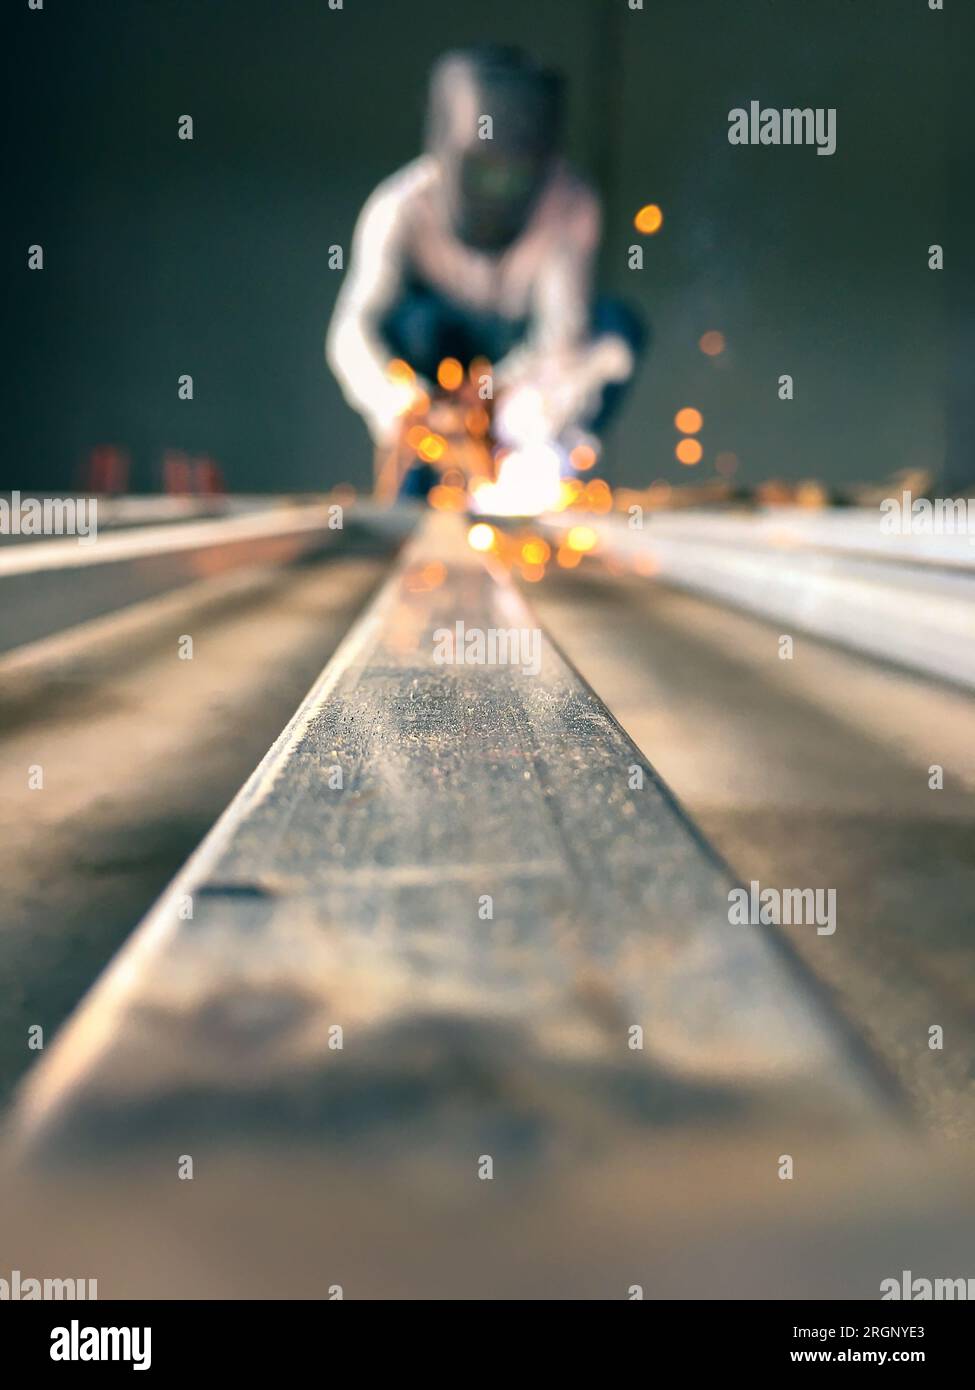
[[474, 874], [50, 585], [907, 600]]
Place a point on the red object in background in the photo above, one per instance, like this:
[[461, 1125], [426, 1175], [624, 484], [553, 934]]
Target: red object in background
[[106, 470], [207, 477], [176, 473], [182, 473]]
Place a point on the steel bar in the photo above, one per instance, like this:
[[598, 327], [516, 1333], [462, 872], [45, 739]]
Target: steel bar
[[455, 864], [897, 604], [455, 919], [50, 585], [854, 530], [122, 512]]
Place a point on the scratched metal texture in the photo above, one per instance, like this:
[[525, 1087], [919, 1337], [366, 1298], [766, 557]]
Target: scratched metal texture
[[362, 907]]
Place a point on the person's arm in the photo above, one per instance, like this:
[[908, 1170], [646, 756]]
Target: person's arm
[[354, 348], [562, 298], [557, 377], [564, 288]]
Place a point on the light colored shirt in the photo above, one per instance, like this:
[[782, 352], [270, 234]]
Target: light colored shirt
[[403, 231]]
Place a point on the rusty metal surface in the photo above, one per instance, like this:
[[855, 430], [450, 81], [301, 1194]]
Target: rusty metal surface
[[466, 1039], [363, 907]]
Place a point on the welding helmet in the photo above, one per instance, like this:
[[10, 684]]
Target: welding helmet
[[494, 126]]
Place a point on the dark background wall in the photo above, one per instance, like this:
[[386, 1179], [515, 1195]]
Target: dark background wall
[[165, 256]]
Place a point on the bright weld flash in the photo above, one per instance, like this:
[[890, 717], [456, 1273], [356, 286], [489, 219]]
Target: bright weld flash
[[481, 536], [528, 483]]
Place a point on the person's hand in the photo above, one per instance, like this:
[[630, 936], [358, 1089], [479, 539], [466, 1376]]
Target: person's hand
[[392, 403], [523, 416], [562, 390]]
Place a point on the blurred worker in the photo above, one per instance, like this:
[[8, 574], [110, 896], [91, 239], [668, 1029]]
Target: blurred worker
[[483, 248]]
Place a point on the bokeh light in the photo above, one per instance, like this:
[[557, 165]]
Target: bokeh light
[[582, 539], [597, 496], [583, 456], [532, 573], [400, 372], [570, 490], [689, 451], [649, 219], [477, 422], [450, 374], [712, 343], [432, 447], [688, 420], [447, 499], [536, 551]]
